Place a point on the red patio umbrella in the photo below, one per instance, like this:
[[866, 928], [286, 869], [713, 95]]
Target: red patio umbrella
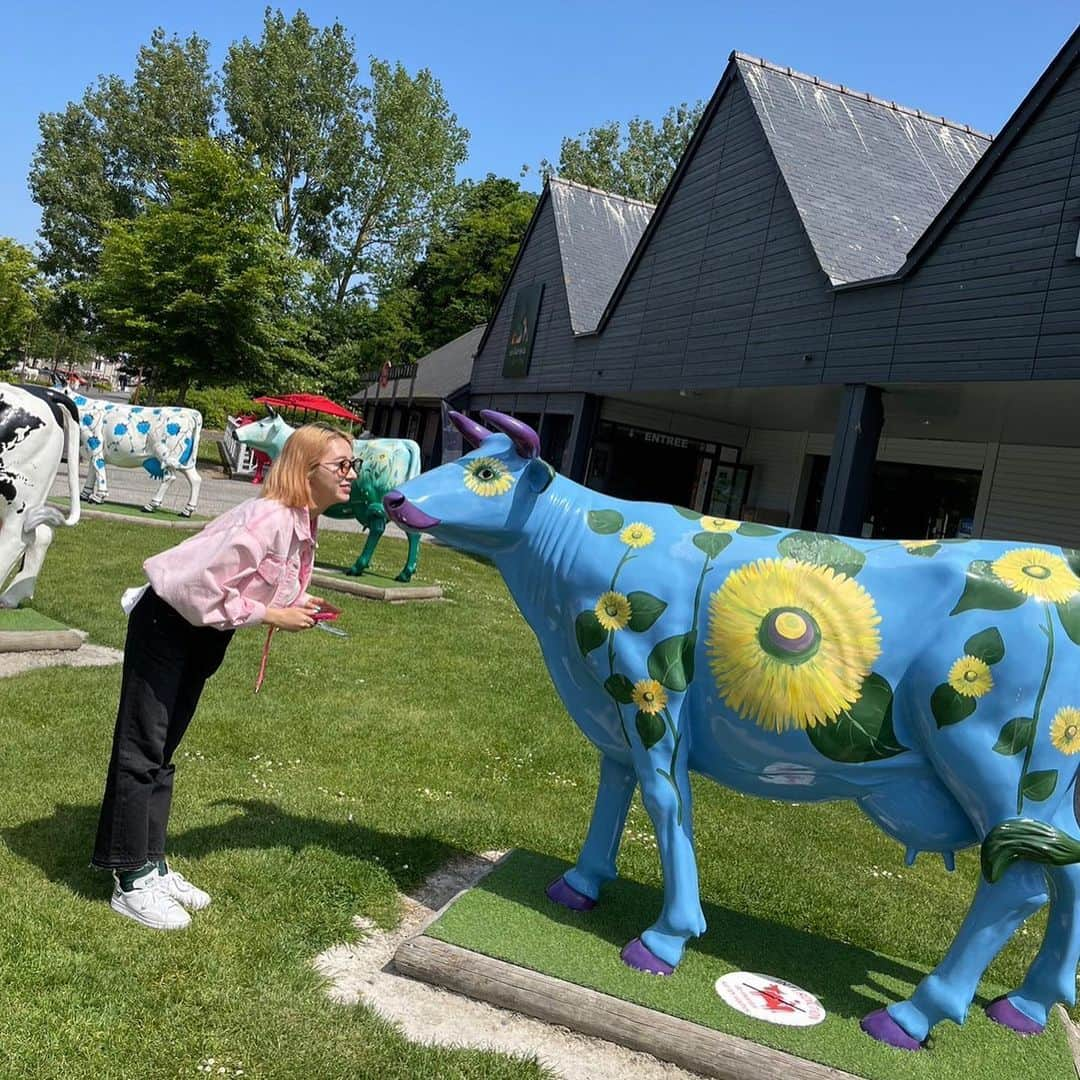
[[315, 403]]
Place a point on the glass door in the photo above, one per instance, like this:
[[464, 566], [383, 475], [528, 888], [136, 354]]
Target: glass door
[[730, 484]]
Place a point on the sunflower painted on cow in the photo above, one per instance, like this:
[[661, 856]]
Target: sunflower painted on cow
[[934, 683]]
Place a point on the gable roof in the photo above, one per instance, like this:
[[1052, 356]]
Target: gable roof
[[867, 176], [440, 372], [597, 233], [1014, 127]]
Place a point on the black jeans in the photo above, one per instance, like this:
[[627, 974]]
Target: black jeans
[[166, 664]]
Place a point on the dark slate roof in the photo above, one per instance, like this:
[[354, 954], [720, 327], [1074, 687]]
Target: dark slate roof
[[866, 175], [438, 374], [597, 234], [1003, 142]]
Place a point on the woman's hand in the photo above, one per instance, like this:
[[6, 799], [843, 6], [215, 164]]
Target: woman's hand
[[291, 618]]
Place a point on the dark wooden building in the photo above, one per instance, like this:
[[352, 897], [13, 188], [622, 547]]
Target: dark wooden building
[[842, 314], [406, 402]]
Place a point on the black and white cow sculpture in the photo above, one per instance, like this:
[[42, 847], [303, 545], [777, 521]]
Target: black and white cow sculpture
[[37, 428]]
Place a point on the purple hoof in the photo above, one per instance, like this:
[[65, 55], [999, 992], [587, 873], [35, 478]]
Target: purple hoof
[[1002, 1011], [637, 956], [568, 896], [881, 1026]]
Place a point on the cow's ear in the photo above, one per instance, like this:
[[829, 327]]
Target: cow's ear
[[539, 474]]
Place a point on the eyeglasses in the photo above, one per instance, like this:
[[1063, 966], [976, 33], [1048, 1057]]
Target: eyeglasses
[[344, 466]]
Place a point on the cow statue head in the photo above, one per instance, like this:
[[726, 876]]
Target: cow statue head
[[268, 435], [480, 502]]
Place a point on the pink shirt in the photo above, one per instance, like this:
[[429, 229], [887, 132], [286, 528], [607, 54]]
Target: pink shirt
[[256, 555]]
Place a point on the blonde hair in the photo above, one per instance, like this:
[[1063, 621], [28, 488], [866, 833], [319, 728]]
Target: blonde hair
[[288, 480]]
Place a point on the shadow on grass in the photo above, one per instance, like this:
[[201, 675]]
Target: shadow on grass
[[61, 843], [737, 940]]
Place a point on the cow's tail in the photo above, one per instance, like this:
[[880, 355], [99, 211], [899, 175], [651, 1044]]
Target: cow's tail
[[71, 449], [1023, 838]]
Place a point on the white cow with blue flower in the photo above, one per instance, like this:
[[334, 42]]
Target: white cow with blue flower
[[163, 440]]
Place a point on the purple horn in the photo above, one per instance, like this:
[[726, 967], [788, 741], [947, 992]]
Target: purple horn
[[526, 441], [472, 431]]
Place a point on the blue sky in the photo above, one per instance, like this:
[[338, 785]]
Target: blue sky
[[521, 76]]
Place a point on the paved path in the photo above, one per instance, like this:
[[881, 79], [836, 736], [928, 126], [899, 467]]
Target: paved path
[[218, 495]]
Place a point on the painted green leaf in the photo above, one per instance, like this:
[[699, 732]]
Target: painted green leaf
[[949, 707], [671, 663], [865, 731], [645, 609], [650, 728], [620, 688], [1070, 618], [712, 543], [1040, 785], [987, 645], [822, 550], [1072, 557], [983, 591], [605, 522], [751, 528], [927, 552], [590, 634], [693, 515], [1016, 735]]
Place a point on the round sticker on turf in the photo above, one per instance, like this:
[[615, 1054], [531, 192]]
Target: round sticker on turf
[[766, 998]]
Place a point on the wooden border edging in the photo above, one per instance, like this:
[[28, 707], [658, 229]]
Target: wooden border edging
[[17, 641], [1072, 1035], [387, 593], [689, 1045]]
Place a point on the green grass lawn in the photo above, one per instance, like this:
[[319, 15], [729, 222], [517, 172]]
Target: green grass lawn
[[134, 510], [26, 619], [364, 764]]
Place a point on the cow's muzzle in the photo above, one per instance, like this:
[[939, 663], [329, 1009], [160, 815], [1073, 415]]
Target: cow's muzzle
[[403, 512]]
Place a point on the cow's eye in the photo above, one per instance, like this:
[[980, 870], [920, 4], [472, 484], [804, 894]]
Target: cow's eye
[[487, 476]]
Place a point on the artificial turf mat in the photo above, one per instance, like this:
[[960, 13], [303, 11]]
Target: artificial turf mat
[[507, 916], [23, 620]]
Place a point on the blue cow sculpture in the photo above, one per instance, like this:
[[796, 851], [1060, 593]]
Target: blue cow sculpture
[[384, 463], [935, 683]]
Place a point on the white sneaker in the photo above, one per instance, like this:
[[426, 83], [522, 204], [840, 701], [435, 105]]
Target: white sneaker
[[182, 891], [149, 904]]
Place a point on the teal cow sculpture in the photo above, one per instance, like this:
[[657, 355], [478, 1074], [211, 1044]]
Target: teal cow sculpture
[[386, 463]]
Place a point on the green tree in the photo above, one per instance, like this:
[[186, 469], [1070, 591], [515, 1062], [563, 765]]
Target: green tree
[[376, 334], [203, 288], [363, 173], [460, 279], [293, 99], [108, 155], [22, 293], [401, 185], [638, 163]]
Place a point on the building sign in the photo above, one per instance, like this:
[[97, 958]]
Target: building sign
[[657, 438], [522, 331], [666, 440]]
